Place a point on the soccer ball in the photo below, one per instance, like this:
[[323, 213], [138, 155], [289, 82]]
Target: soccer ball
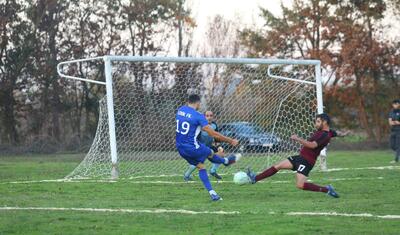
[[241, 178]]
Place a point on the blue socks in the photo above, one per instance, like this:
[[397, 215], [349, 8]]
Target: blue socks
[[189, 171], [218, 159], [204, 178], [214, 168]]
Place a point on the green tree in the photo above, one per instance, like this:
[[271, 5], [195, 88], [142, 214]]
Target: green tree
[[15, 57]]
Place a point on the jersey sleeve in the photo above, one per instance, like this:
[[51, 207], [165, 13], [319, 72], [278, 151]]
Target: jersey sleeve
[[333, 133], [322, 138], [202, 120]]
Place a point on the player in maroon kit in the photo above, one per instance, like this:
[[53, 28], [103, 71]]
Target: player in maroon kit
[[304, 162]]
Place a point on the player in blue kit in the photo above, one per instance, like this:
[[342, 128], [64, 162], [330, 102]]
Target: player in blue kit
[[189, 124], [211, 143]]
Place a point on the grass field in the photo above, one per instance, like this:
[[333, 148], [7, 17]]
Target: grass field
[[366, 190]]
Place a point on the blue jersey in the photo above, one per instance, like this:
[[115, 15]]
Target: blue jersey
[[188, 126]]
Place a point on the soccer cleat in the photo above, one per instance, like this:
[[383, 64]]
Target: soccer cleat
[[187, 178], [215, 174], [251, 175], [233, 158], [331, 192], [215, 197]]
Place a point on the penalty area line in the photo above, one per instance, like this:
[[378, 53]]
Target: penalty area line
[[284, 172], [88, 180], [59, 181], [364, 215], [190, 212], [364, 168], [120, 210]]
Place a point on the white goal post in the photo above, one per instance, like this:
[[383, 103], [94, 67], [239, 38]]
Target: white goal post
[[259, 101]]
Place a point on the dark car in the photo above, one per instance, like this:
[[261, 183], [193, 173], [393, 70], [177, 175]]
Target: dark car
[[251, 136]]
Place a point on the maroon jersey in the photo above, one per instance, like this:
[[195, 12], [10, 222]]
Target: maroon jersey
[[322, 138]]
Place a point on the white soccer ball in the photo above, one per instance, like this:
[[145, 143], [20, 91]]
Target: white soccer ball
[[241, 178]]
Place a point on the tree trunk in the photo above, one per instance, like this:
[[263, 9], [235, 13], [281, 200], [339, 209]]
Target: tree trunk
[[362, 114], [180, 28], [10, 134]]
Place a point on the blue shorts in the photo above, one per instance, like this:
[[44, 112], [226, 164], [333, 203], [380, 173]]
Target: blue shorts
[[195, 156]]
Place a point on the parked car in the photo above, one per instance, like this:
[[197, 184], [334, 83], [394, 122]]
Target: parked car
[[251, 136]]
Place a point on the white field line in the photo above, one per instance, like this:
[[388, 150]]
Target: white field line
[[283, 172], [181, 182], [133, 211], [351, 169], [155, 176], [199, 182], [365, 168], [355, 178], [181, 211], [343, 215], [172, 182], [59, 180]]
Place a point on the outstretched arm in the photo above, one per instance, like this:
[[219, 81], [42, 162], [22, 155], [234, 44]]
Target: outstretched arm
[[305, 143], [219, 136], [342, 133]]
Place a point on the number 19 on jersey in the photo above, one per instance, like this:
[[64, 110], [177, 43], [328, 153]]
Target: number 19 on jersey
[[183, 128]]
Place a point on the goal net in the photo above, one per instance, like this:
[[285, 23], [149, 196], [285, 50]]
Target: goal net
[[261, 102]]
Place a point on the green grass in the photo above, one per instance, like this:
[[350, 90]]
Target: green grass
[[262, 206]]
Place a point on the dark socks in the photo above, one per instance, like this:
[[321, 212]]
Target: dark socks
[[267, 173], [314, 187]]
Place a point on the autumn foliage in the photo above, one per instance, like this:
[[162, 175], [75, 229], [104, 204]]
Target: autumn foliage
[[360, 62]]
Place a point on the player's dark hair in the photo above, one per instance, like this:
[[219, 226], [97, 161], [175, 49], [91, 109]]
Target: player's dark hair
[[324, 117], [396, 101], [193, 98]]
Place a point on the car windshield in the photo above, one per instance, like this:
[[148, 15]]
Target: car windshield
[[249, 129]]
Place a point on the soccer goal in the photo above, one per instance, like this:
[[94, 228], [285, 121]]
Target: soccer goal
[[261, 102]]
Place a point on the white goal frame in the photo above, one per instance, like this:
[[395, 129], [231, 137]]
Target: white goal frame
[[108, 59]]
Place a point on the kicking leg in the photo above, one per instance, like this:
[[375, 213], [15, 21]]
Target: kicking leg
[[206, 182], [285, 164], [232, 158], [214, 158], [301, 183]]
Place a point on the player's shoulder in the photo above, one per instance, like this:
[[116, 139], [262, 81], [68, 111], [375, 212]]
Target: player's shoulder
[[198, 114], [319, 132], [190, 113], [333, 133], [181, 108], [181, 111], [322, 134]]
